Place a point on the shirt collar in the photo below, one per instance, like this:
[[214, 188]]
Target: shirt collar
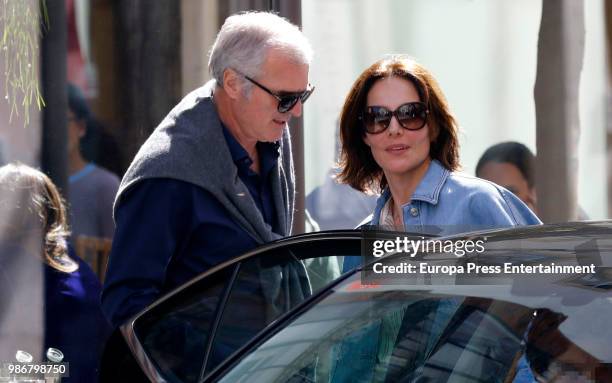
[[81, 173], [429, 188], [268, 152], [239, 154]]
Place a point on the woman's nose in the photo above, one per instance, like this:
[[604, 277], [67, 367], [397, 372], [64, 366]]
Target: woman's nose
[[394, 126]]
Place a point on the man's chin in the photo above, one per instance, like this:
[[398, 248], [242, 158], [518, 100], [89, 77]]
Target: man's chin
[[272, 140], [279, 133]]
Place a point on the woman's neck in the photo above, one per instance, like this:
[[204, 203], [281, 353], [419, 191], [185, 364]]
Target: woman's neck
[[403, 185]]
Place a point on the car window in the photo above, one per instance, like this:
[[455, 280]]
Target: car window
[[271, 284], [174, 334], [390, 336], [195, 329]]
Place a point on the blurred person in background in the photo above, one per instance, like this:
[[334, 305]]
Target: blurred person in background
[[511, 165], [91, 188], [34, 232], [335, 205]]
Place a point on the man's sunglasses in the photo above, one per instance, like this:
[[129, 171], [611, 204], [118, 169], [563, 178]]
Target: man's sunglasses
[[286, 101], [411, 116]]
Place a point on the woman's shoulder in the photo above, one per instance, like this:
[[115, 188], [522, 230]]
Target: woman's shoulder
[[85, 274], [81, 284], [486, 196], [474, 186], [105, 175]]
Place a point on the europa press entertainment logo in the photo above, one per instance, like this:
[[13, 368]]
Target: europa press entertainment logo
[[410, 258]]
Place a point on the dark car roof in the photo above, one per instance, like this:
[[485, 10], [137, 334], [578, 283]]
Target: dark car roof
[[544, 237]]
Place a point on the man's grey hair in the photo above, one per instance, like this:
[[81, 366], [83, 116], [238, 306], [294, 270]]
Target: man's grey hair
[[245, 39]]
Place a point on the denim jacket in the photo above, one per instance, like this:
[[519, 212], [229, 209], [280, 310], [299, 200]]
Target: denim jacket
[[447, 203], [444, 203]]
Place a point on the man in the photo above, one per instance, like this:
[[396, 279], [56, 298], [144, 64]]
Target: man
[[91, 188], [215, 178]]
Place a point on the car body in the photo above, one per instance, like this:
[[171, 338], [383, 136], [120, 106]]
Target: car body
[[288, 312]]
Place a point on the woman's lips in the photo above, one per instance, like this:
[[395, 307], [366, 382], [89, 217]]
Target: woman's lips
[[396, 148], [279, 122]]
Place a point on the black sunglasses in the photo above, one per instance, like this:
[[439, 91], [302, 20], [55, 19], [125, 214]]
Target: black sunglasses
[[411, 116], [286, 101]]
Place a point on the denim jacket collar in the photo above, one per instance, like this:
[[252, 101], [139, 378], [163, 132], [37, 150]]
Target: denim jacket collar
[[428, 189], [430, 186]]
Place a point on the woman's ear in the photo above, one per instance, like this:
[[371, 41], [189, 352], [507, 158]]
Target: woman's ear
[[434, 132]]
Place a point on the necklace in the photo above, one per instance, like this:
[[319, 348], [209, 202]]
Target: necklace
[[398, 220]]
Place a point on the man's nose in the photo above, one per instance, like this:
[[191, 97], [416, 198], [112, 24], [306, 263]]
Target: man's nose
[[296, 111]]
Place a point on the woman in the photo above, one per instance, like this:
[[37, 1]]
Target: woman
[[399, 138], [33, 228]]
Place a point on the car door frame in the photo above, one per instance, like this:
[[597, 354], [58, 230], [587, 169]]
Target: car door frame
[[139, 352]]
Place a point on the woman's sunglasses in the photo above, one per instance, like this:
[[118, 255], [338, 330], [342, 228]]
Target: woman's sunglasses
[[411, 116]]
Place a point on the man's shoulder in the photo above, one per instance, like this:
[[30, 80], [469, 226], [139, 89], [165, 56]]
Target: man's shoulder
[[98, 185], [186, 143], [104, 176], [168, 188], [196, 105]]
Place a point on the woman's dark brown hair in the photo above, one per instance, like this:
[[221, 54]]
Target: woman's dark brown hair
[[358, 167], [30, 204]]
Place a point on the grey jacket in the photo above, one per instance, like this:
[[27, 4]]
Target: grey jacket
[[189, 146]]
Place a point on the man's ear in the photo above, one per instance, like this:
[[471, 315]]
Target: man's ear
[[232, 85], [82, 128]]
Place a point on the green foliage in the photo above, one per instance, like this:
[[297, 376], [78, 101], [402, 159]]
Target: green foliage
[[21, 30]]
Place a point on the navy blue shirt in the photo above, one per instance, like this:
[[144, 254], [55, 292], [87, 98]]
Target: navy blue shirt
[[169, 231]]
